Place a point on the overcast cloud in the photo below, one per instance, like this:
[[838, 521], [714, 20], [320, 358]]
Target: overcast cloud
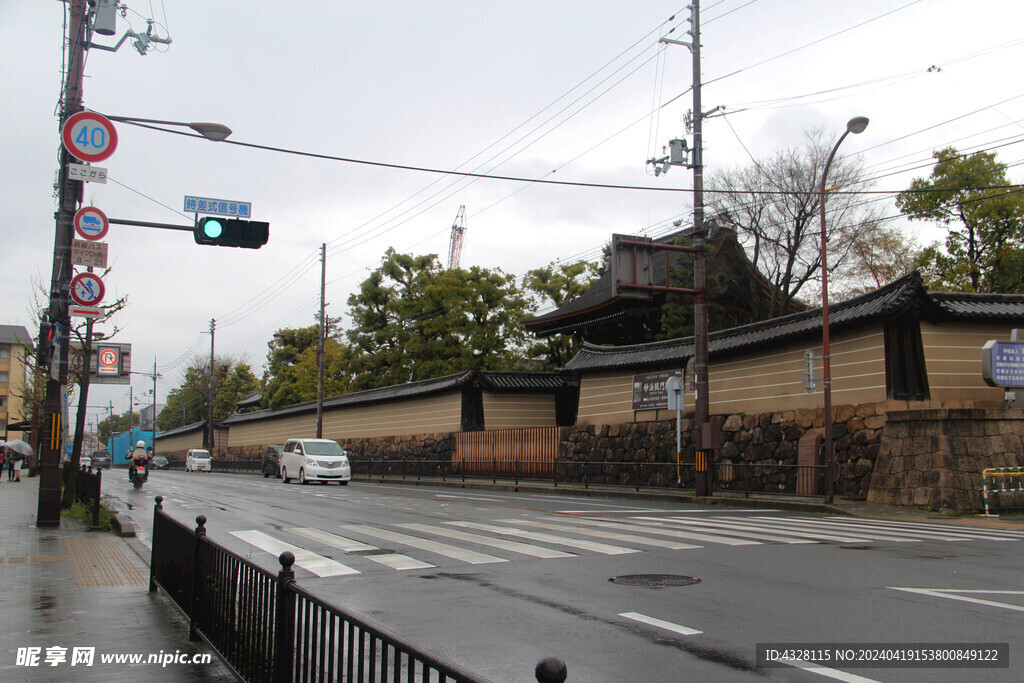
[[436, 84]]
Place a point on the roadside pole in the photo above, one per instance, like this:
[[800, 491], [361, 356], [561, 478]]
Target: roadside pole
[[69, 195]]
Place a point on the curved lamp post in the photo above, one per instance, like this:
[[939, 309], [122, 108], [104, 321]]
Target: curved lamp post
[[856, 125], [211, 131]]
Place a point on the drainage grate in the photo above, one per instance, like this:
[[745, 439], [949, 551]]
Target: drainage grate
[[654, 580]]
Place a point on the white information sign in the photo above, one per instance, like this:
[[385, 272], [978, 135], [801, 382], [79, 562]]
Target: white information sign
[[89, 174], [89, 253]]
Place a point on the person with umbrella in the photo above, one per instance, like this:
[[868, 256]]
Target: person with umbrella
[[16, 450]]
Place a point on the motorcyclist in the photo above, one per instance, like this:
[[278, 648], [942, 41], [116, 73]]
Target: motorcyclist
[[139, 457]]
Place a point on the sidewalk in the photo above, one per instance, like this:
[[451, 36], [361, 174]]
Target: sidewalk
[[66, 587]]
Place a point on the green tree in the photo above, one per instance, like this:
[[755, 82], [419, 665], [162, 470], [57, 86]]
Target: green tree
[[413, 320], [969, 196], [555, 285], [189, 402]]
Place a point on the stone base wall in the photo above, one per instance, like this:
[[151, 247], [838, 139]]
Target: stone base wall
[[934, 458], [762, 440], [416, 447]]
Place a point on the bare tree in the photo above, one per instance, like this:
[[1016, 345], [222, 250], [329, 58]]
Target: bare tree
[[773, 207]]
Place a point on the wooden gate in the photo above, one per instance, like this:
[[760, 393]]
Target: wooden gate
[[526, 452]]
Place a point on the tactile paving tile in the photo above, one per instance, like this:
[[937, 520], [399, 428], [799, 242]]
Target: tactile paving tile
[[101, 562]]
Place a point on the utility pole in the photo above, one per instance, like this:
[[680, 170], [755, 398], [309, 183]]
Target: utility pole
[[320, 345], [209, 411], [701, 410], [153, 423], [68, 196]]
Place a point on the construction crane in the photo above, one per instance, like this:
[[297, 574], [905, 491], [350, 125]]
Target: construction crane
[[455, 247]]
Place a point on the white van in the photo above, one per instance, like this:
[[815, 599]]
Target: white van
[[320, 460], [198, 460]]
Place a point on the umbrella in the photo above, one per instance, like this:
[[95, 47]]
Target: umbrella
[[20, 447]]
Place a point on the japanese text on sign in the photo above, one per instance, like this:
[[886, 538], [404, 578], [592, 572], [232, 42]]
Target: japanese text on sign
[[1002, 364], [649, 391], [218, 207]]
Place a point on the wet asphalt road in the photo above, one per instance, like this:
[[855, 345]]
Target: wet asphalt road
[[496, 580]]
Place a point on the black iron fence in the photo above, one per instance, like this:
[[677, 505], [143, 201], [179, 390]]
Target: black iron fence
[[746, 478], [87, 488], [770, 479], [268, 628]]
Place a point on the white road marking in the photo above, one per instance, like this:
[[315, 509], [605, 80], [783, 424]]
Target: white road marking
[[662, 531], [784, 530], [603, 548], [490, 500], [500, 543], [610, 535], [862, 527], [394, 560], [444, 549], [957, 594], [740, 530], [667, 625], [835, 674], [992, 534], [311, 562]]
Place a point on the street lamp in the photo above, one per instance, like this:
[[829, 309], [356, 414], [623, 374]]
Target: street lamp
[[856, 125], [211, 131]]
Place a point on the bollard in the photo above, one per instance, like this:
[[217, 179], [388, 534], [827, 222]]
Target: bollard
[[152, 557], [284, 619], [193, 634], [551, 670]]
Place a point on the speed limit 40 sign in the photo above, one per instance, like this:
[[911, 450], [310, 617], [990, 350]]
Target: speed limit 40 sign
[[89, 136]]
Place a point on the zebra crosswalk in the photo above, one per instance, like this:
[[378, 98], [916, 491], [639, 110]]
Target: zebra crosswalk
[[413, 546]]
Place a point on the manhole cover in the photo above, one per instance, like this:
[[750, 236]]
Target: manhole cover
[[654, 580]]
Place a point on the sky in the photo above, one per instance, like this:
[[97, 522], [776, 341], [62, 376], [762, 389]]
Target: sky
[[571, 90]]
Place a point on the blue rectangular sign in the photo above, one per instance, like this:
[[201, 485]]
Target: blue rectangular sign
[[1002, 364], [218, 207]]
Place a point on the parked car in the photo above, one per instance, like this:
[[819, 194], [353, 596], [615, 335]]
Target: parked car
[[84, 461], [320, 460], [198, 460], [160, 462], [101, 459], [272, 461]]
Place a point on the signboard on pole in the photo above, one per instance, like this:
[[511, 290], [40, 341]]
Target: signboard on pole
[[117, 366], [91, 223], [1002, 364], [87, 289], [218, 207], [88, 253], [649, 392], [87, 174], [89, 136]]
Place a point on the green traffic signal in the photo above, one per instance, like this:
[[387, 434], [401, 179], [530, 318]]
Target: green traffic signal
[[212, 228], [231, 232]]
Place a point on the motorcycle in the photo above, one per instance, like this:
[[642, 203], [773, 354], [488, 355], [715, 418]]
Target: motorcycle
[[137, 474]]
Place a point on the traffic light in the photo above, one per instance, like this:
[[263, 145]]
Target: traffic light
[[231, 232]]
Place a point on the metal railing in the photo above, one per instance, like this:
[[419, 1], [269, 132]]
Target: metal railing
[[87, 489], [1000, 480], [770, 479], [268, 628], [746, 478]]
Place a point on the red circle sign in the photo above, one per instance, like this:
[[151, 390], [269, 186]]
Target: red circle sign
[[87, 289], [109, 358], [89, 136], [91, 223]]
